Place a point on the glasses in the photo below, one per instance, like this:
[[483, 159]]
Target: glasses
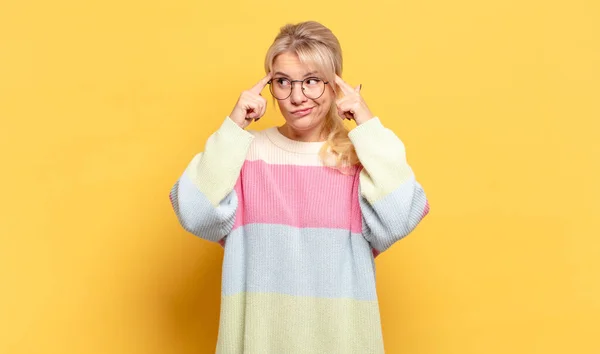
[[312, 87]]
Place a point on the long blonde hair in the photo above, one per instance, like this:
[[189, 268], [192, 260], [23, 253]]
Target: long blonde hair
[[315, 44]]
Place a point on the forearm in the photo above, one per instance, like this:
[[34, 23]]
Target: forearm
[[203, 198], [392, 201]]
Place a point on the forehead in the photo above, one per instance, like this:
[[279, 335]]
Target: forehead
[[291, 65]]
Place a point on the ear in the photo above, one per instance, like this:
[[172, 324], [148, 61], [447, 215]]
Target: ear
[[336, 90]]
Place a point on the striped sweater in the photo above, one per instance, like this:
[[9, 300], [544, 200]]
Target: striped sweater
[[299, 238]]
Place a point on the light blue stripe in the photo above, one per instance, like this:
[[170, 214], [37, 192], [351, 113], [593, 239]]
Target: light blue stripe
[[317, 262], [394, 216], [196, 213]]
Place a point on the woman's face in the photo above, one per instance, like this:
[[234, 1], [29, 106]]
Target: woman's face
[[300, 112]]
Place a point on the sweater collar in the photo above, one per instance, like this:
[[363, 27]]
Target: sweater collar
[[290, 145]]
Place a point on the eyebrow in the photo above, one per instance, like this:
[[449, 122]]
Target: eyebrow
[[286, 75]]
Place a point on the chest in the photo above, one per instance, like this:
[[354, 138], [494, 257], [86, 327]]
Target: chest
[[296, 195]]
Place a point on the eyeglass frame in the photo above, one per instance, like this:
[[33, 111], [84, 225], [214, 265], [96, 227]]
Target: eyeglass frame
[[301, 86]]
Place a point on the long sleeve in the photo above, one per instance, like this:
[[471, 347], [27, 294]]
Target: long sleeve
[[203, 197], [392, 202]]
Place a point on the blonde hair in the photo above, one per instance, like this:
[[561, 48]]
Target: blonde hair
[[315, 44]]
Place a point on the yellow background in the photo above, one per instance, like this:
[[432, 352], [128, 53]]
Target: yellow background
[[103, 104]]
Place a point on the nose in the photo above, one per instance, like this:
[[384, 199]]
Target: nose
[[297, 97]]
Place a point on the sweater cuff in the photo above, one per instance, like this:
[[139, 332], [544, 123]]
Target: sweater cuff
[[368, 130], [230, 128]]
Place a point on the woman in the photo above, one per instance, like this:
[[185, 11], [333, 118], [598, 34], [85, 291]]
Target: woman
[[302, 209]]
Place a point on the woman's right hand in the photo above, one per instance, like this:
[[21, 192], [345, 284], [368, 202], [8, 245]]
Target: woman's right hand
[[251, 105]]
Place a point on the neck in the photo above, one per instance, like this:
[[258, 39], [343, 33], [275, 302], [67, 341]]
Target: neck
[[310, 135]]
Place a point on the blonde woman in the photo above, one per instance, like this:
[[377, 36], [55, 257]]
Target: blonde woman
[[303, 209]]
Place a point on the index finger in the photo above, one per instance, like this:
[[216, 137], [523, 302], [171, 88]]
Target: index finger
[[346, 89], [261, 84]]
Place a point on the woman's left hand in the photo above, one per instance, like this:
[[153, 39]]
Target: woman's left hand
[[352, 105]]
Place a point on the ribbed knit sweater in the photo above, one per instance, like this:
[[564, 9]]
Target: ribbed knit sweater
[[299, 238]]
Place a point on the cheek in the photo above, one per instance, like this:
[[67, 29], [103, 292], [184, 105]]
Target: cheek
[[323, 109], [328, 98], [325, 103], [282, 106]]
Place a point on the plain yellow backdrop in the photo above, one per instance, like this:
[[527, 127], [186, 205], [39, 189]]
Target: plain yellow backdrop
[[103, 104]]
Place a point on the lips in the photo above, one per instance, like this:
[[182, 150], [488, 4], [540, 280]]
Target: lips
[[302, 112]]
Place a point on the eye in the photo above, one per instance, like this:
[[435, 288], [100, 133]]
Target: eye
[[312, 81], [283, 82]]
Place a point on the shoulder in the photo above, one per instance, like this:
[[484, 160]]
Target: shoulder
[[261, 145], [258, 133], [260, 137]]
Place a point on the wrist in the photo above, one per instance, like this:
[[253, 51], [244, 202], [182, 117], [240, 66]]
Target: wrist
[[363, 118], [240, 121]]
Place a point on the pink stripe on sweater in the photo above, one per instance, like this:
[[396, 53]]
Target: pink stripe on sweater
[[300, 196], [426, 210]]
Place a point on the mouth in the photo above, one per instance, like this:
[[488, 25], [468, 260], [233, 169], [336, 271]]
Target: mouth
[[302, 112]]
